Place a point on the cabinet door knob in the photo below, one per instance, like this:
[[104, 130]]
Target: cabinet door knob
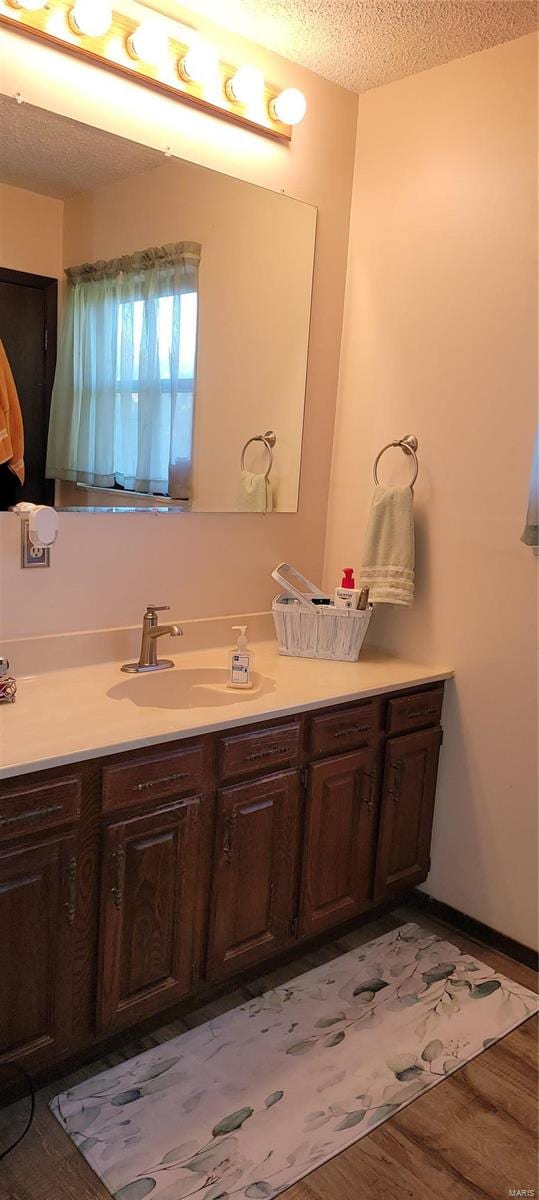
[[118, 861], [370, 797], [228, 840], [71, 889], [394, 792]]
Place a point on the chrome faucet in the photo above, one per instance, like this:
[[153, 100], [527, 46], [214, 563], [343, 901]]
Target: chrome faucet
[[151, 631]]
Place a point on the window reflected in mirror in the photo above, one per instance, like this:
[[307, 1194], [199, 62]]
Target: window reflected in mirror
[[123, 396]]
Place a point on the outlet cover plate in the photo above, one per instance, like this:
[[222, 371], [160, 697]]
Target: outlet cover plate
[[33, 556]]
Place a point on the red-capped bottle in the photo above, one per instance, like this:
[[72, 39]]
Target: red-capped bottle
[[347, 595]]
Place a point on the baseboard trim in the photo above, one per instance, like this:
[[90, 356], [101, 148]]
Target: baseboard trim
[[475, 929]]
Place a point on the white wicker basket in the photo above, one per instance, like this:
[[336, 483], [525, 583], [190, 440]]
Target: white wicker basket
[[307, 630]]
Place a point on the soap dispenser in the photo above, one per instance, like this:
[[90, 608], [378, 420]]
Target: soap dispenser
[[347, 596], [240, 662]]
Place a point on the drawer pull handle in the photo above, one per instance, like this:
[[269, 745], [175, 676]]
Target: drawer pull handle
[[339, 733], [151, 783], [71, 890], [257, 754], [34, 815], [118, 859], [228, 840], [425, 711]]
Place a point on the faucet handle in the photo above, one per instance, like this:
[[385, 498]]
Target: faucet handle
[[154, 608]]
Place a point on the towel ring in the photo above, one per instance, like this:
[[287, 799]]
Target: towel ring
[[409, 445], [269, 439]]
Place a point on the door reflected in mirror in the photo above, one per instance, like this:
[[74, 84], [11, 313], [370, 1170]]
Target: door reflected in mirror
[[183, 302]]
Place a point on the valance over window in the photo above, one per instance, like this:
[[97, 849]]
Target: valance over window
[[123, 396]]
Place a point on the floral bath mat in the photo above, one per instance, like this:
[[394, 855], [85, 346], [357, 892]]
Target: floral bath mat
[[247, 1104]]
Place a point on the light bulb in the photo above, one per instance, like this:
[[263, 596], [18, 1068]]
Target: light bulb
[[289, 106], [91, 17], [149, 42], [29, 5], [201, 63], [246, 85]]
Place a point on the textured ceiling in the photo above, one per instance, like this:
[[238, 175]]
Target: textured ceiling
[[362, 44], [45, 153]]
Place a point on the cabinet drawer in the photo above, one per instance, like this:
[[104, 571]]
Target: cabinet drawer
[[245, 753], [406, 713], [153, 778], [29, 809], [348, 730]]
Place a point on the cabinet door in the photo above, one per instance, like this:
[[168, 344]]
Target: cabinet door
[[340, 840], [37, 915], [152, 878], [255, 872], [409, 787]]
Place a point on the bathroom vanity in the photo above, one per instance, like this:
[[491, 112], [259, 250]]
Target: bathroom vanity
[[132, 880]]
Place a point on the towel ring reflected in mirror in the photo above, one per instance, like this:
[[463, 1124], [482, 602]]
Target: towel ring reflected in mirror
[[269, 439], [409, 444]]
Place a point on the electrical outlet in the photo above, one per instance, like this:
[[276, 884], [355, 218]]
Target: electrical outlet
[[33, 556]]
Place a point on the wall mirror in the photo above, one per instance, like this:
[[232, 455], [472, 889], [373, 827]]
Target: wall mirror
[[183, 300]]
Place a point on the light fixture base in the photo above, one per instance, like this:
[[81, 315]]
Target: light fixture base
[[57, 26]]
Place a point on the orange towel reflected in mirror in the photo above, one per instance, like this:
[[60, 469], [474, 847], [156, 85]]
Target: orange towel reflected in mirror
[[11, 423]]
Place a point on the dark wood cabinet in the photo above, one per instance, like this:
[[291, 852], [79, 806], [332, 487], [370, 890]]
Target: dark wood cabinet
[[341, 821], [409, 786], [151, 885], [135, 880], [254, 874], [37, 916]]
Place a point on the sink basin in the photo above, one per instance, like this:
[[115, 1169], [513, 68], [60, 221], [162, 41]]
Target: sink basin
[[200, 687]]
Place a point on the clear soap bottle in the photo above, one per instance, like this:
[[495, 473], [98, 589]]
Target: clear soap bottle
[[240, 669]]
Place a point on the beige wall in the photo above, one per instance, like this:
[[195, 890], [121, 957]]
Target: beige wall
[[440, 341], [31, 232], [255, 300], [106, 568]]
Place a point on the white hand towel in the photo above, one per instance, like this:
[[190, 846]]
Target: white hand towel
[[389, 549], [255, 493]]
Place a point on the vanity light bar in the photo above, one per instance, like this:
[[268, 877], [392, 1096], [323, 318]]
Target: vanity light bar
[[146, 51]]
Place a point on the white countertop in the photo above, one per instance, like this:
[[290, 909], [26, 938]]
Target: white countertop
[[85, 712]]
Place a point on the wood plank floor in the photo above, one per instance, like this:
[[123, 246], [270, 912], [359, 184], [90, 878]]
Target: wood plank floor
[[474, 1136]]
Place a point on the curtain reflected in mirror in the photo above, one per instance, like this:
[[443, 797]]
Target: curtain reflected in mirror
[[123, 396]]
